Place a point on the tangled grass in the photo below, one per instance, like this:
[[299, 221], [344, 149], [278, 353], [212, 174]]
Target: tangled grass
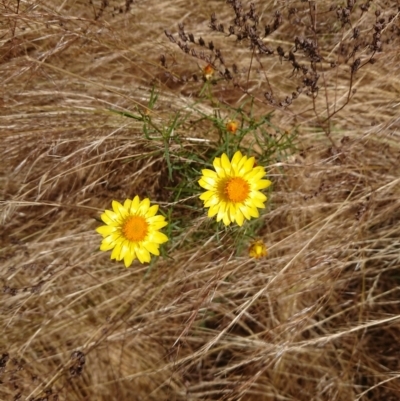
[[97, 103]]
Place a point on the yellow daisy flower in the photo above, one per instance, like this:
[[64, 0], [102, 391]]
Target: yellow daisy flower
[[132, 230], [257, 249], [233, 188]]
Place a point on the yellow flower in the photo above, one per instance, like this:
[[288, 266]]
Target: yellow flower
[[257, 249], [233, 188], [232, 127], [132, 230]]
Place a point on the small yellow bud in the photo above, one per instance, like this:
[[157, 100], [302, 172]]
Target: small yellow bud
[[231, 127], [257, 250], [208, 72]]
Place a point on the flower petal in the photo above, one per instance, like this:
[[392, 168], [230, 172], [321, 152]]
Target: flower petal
[[151, 247], [143, 255], [256, 174], [253, 212], [144, 206], [152, 211], [225, 163], [237, 157], [157, 222], [214, 200], [207, 183], [119, 209], [129, 258], [110, 217], [158, 225], [157, 237], [262, 184], [217, 163], [116, 252], [247, 166], [233, 208], [257, 203], [222, 211], [134, 205], [239, 218], [209, 173], [238, 164], [245, 212], [258, 195], [106, 230], [125, 249], [226, 219], [107, 244], [213, 210], [205, 196]]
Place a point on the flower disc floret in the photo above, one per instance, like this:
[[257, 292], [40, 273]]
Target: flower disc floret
[[135, 228], [236, 189], [233, 189], [132, 231]]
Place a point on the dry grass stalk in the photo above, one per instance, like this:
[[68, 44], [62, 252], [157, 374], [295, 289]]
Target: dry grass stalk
[[317, 320]]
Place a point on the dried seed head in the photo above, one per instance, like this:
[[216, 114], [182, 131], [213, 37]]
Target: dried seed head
[[169, 36], [228, 74], [355, 65], [163, 60]]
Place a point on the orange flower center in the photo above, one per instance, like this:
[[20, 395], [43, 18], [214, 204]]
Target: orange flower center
[[237, 189], [135, 228]]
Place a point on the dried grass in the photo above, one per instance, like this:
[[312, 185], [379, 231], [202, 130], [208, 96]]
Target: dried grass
[[318, 319]]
